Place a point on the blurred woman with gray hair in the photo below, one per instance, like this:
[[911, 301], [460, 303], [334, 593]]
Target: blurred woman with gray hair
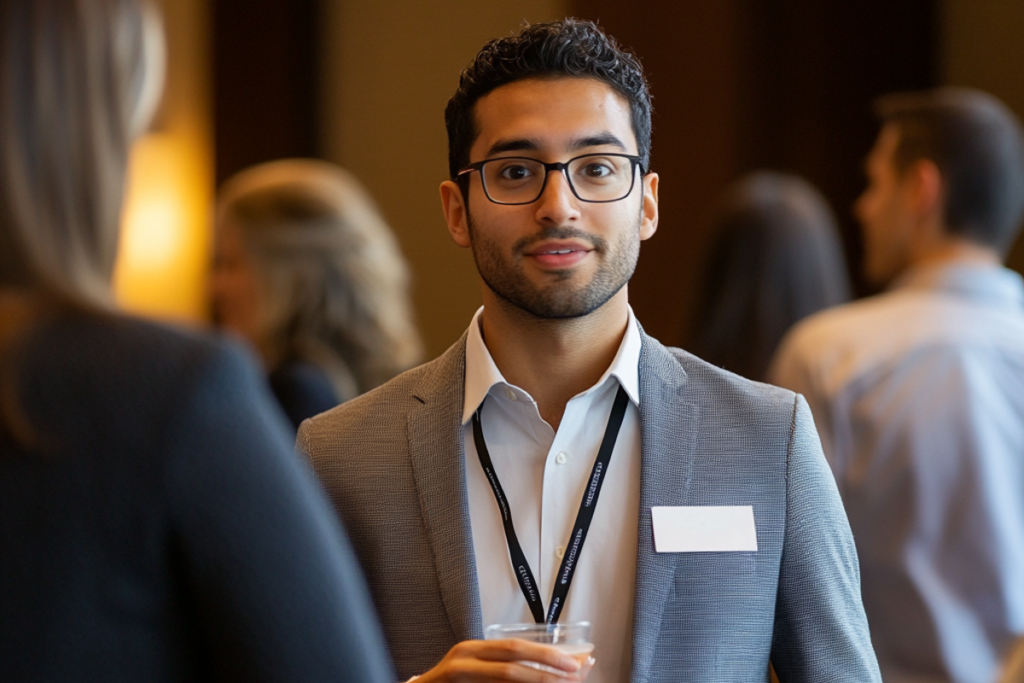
[[309, 273]]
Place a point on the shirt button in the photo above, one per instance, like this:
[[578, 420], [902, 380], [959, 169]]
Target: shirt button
[[561, 458], [560, 551], [511, 394]]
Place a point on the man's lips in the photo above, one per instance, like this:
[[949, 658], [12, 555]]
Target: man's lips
[[559, 254]]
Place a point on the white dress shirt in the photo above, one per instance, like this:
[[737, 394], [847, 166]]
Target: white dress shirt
[[918, 395], [543, 474]]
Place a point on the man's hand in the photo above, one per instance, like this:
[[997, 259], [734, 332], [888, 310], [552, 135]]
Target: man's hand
[[480, 661]]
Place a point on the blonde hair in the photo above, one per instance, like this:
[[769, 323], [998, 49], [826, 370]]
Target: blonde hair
[[75, 77], [334, 285]]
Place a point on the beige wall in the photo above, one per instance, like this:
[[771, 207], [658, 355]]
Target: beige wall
[[982, 46], [390, 68]]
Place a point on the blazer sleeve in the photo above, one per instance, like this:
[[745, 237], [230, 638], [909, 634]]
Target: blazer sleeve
[[821, 631], [789, 369], [276, 590]]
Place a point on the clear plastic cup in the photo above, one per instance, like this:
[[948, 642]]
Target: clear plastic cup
[[571, 638]]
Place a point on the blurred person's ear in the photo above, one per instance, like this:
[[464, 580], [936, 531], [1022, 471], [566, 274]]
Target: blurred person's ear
[[926, 187], [923, 191]]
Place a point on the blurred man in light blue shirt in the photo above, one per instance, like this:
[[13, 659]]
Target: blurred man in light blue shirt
[[918, 393]]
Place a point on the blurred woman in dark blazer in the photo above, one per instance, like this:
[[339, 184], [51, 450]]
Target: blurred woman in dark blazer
[[154, 523]]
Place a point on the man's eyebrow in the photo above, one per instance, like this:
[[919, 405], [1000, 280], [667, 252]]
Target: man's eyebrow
[[532, 145], [597, 140], [513, 145]]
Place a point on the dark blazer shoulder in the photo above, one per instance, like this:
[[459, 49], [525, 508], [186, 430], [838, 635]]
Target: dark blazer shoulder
[[135, 372], [303, 389], [126, 336]]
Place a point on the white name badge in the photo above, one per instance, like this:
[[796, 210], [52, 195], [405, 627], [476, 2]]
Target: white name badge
[[704, 529]]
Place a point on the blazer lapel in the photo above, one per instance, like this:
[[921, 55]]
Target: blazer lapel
[[668, 425], [438, 464]]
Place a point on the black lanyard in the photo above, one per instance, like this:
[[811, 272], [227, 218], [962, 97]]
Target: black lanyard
[[583, 518]]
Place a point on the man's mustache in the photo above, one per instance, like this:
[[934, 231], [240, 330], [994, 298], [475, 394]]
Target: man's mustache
[[523, 244]]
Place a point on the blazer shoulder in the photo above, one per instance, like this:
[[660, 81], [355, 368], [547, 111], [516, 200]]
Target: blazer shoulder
[[724, 388]]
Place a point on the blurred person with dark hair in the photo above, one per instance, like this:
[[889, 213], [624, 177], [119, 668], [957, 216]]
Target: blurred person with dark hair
[[918, 393], [774, 260], [470, 484], [154, 523], [309, 273]]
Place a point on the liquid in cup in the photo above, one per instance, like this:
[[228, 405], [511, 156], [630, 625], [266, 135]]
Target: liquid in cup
[[578, 652]]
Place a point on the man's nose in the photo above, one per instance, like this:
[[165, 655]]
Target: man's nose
[[557, 204]]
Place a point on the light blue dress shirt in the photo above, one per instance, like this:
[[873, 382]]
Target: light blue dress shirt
[[918, 395]]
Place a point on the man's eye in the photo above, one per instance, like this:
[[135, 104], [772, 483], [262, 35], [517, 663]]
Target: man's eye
[[515, 173], [597, 170]]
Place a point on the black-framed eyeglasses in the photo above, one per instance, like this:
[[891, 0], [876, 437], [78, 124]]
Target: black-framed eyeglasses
[[592, 177]]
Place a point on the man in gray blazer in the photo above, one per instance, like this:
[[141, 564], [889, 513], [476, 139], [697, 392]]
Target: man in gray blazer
[[556, 450]]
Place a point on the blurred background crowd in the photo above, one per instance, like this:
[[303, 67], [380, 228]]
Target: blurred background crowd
[[738, 85], [286, 189]]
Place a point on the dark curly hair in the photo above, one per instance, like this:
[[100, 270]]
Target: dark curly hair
[[570, 47]]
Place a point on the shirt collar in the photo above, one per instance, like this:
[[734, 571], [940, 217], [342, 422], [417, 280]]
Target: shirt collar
[[988, 284], [482, 373]]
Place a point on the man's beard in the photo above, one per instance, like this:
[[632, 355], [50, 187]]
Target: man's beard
[[559, 299]]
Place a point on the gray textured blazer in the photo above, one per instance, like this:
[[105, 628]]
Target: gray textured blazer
[[393, 463]]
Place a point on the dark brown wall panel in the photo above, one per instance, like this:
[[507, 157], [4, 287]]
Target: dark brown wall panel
[[265, 81]]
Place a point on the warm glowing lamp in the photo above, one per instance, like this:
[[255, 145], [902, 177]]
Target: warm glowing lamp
[[165, 239], [165, 235]]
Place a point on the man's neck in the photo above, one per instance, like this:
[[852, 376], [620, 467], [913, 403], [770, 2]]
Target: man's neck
[[553, 359], [954, 250]]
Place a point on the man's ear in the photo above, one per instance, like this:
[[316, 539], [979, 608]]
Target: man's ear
[[649, 208], [924, 194], [456, 212], [926, 188]]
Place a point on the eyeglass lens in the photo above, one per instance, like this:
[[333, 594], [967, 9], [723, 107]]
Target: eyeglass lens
[[594, 177]]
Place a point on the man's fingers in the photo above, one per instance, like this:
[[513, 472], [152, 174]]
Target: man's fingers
[[512, 650], [504, 661], [516, 672], [581, 675]]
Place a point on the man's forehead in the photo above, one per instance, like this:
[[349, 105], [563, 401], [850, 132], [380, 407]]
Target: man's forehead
[[555, 114]]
